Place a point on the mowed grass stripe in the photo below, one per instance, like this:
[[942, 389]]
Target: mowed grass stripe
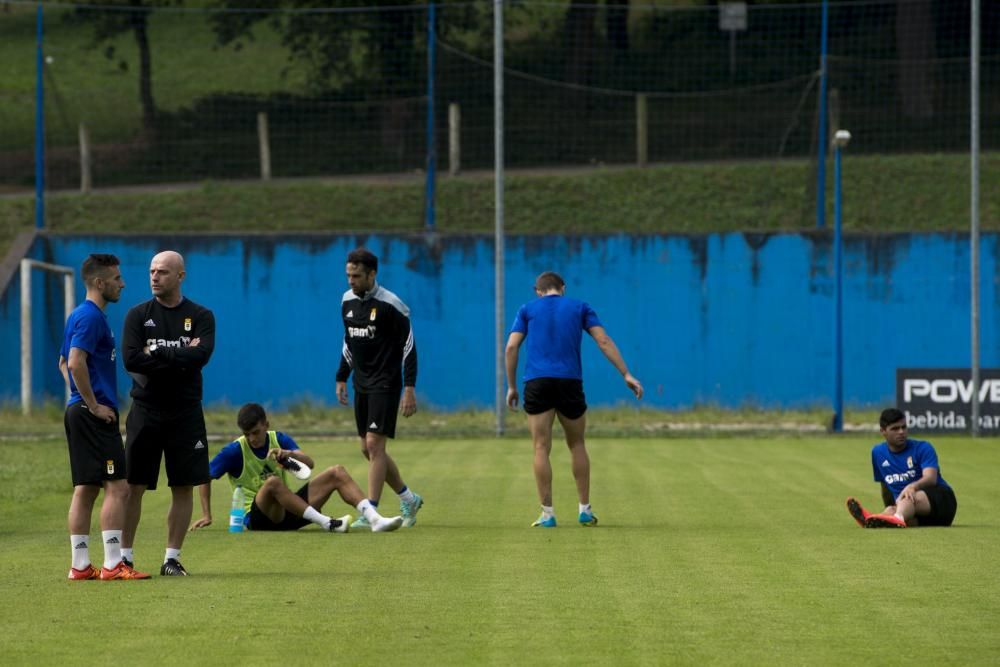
[[710, 551], [712, 571]]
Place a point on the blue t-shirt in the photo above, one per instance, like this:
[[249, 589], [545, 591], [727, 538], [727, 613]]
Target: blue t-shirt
[[87, 329], [230, 458], [897, 469], [553, 326]]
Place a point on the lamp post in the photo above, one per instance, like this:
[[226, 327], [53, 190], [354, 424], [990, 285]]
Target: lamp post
[[840, 140]]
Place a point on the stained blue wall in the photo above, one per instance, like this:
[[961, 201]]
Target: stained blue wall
[[727, 319]]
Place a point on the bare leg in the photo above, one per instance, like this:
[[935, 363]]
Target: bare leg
[[574, 429], [113, 507], [133, 512], [540, 426], [81, 507], [378, 465], [392, 476], [274, 498], [911, 509], [179, 515], [335, 478]]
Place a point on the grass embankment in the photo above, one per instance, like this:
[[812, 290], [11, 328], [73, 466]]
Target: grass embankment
[[909, 193], [319, 421]]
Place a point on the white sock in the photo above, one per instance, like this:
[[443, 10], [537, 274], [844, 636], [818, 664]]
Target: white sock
[[585, 508], [900, 517], [80, 544], [112, 548], [172, 553], [320, 520], [406, 496], [368, 511], [548, 512], [127, 554]]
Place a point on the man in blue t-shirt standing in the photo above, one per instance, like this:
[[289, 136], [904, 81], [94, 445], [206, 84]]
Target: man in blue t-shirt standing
[[96, 454], [913, 489], [552, 327]]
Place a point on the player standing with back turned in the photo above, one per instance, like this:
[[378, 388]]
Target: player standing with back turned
[[552, 327]]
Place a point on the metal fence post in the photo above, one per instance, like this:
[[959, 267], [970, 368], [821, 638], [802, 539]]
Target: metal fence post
[[454, 138], [641, 130], [40, 120], [821, 139], [264, 140], [429, 212], [86, 178]]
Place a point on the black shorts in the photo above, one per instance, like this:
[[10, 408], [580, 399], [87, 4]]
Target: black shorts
[[96, 454], [257, 520], [563, 395], [376, 413], [176, 436], [943, 507]]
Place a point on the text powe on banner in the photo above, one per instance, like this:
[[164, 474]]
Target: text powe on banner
[[940, 399]]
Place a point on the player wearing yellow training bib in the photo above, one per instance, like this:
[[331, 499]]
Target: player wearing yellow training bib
[[257, 460]]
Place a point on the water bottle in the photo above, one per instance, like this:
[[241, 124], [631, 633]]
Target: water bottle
[[237, 511]]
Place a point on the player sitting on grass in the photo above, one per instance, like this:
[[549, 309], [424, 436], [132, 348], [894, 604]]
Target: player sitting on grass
[[257, 462], [913, 490]]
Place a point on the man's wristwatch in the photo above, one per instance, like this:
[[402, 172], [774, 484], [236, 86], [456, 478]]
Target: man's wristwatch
[[152, 348]]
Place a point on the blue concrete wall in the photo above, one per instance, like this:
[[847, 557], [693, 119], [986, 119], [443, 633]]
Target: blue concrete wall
[[727, 319]]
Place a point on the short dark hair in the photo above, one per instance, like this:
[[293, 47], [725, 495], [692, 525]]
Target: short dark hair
[[363, 256], [549, 280], [95, 265], [250, 415], [890, 416]]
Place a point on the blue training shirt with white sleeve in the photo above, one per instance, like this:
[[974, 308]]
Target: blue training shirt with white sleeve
[[553, 327], [230, 458], [897, 469], [87, 329]]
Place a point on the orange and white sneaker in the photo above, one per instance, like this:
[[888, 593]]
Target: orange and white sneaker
[[859, 513], [89, 572], [884, 521], [122, 571]]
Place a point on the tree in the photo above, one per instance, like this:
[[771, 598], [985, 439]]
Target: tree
[[580, 38], [114, 18], [915, 43], [581, 35], [616, 24], [337, 47], [376, 48]]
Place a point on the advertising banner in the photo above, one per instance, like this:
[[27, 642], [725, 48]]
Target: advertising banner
[[940, 399]]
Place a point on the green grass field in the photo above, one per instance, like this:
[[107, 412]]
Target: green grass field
[[710, 551]]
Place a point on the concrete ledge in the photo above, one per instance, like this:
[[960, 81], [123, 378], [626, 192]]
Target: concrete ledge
[[18, 250]]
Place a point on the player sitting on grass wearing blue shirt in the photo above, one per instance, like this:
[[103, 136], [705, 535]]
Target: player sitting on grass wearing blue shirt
[[258, 460], [913, 489]]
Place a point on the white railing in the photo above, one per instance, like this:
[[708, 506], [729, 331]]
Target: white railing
[[69, 301]]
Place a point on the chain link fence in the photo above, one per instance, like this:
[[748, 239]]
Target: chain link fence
[[166, 94]]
